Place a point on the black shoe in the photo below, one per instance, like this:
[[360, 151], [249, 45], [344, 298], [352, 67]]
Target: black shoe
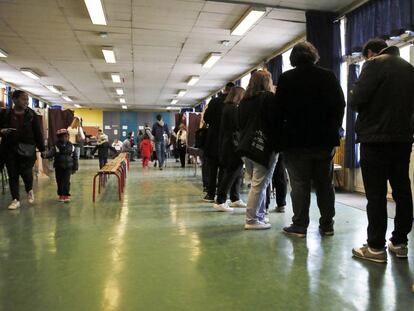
[[208, 199], [326, 231], [296, 231], [155, 164]]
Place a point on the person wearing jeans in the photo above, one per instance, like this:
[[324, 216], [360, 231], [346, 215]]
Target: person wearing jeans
[[383, 97], [312, 105], [256, 201], [304, 166], [158, 130]]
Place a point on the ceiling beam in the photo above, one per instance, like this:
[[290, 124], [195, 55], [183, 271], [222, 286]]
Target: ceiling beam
[[255, 4]]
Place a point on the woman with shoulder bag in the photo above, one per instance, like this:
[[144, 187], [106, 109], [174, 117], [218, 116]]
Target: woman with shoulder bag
[[21, 133], [230, 160], [257, 144], [76, 135], [181, 144]]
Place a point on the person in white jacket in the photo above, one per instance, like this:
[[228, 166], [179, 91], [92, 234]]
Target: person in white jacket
[[76, 135]]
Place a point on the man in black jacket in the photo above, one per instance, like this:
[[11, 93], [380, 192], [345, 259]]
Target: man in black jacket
[[312, 106], [384, 98], [212, 117]]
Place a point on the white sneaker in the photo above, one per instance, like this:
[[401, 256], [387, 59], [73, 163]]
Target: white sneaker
[[30, 197], [238, 203], [14, 205], [258, 226], [223, 207]]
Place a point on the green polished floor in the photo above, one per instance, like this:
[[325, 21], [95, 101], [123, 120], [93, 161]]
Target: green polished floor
[[162, 249]]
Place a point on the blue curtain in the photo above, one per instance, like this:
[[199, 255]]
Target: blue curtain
[[184, 110], [275, 66], [325, 35], [200, 107], [351, 148], [378, 18]]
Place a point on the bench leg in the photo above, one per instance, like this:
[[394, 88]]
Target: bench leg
[[94, 187], [119, 187]]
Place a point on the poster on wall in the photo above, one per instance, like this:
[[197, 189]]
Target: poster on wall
[[123, 133], [107, 127], [115, 132], [124, 127]]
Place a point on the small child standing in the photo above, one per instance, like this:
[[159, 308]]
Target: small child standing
[[146, 150], [65, 163], [103, 148]]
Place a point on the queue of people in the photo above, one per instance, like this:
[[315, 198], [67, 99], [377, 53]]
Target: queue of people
[[301, 122]]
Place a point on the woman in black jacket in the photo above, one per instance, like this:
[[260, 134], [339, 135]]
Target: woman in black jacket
[[21, 133], [257, 144], [230, 160]]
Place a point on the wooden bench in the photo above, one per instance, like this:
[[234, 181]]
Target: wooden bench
[[118, 167]]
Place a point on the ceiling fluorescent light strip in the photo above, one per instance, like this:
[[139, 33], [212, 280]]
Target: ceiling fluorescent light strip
[[3, 53], [247, 21], [120, 91], [67, 98], [181, 93], [122, 100], [173, 108], [116, 77], [30, 73], [193, 80], [174, 102], [109, 54], [211, 60], [124, 107], [78, 106], [96, 12], [53, 89]]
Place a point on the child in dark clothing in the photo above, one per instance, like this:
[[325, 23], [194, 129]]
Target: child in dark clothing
[[65, 163], [146, 150], [103, 150]]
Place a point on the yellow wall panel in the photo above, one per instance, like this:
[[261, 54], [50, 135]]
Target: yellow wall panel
[[90, 117]]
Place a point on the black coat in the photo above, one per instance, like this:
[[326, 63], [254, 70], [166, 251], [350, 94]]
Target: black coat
[[64, 156], [103, 150], [384, 98], [212, 117], [229, 126], [312, 105], [261, 107], [29, 133]]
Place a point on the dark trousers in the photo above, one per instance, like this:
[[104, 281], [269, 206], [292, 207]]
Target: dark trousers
[[182, 152], [381, 163], [214, 171], [102, 161], [18, 166], [63, 181], [280, 181], [205, 172], [231, 181], [305, 166]]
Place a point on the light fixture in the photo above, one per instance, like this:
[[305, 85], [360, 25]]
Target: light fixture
[[96, 12], [78, 106], [193, 80], [174, 102], [30, 73], [53, 89], [116, 78], [211, 60], [109, 54], [124, 107], [181, 93], [3, 53], [247, 21], [2, 85], [122, 100], [120, 91], [173, 108], [67, 98]]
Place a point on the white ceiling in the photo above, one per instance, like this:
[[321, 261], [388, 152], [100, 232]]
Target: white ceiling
[[159, 44]]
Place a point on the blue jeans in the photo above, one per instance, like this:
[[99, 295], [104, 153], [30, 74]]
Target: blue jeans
[[160, 150], [261, 177]]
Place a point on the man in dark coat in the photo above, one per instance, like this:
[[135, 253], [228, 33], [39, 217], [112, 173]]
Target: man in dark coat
[[212, 117], [312, 106], [384, 98]]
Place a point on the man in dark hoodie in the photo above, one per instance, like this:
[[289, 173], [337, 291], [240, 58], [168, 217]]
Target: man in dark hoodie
[[384, 99], [212, 117], [158, 130]]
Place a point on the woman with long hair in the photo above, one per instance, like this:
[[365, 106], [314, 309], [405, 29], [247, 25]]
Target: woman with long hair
[[76, 135], [230, 161], [257, 132]]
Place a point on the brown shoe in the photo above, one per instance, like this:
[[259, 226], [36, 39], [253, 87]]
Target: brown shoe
[[367, 253]]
